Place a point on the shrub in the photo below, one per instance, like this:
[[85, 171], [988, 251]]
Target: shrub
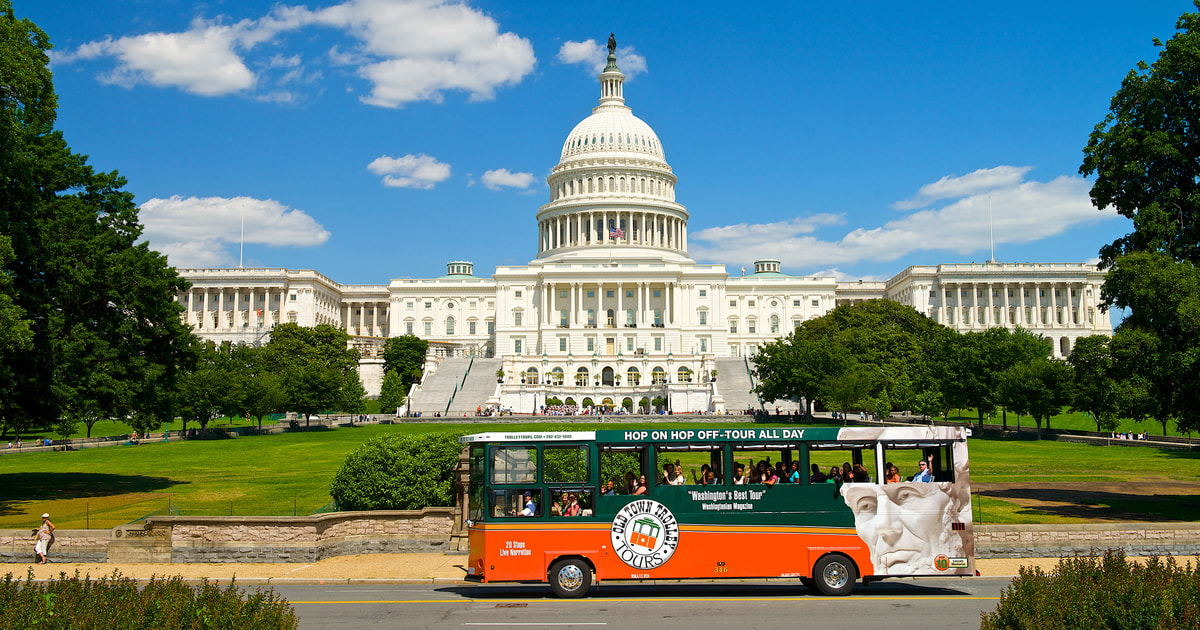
[[1101, 592], [116, 602], [398, 472]]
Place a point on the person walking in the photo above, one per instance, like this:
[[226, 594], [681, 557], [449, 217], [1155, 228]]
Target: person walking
[[44, 534]]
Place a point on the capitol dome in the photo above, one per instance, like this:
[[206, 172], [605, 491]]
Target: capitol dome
[[612, 187]]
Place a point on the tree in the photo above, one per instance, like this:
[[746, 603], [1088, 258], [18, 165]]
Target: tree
[[213, 389], [398, 472], [1039, 388], [1094, 387], [797, 366], [315, 366], [405, 355], [391, 393], [1145, 156], [100, 307], [972, 362]]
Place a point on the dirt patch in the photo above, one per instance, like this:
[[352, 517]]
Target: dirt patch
[[1100, 501]]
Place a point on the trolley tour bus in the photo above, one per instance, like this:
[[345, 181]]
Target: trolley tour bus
[[575, 508]]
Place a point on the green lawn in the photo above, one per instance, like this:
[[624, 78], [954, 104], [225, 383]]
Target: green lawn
[[1074, 421], [290, 472]]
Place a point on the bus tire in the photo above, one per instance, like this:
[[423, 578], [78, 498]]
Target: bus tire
[[570, 578], [834, 575], [809, 583]]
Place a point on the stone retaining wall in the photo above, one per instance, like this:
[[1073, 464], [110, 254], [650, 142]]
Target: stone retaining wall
[[310, 538], [1049, 541]]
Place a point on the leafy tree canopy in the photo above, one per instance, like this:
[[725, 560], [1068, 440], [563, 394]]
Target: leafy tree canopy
[[405, 355]]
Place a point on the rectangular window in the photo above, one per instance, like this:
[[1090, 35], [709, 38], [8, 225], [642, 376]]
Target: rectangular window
[[562, 319], [428, 305], [517, 318], [629, 294], [562, 344], [517, 343], [933, 294], [517, 294], [752, 326], [657, 293], [428, 328], [514, 464], [591, 345], [658, 344], [750, 304], [292, 297], [609, 293], [704, 344], [816, 302], [629, 317], [703, 318], [733, 304], [703, 293], [565, 464], [562, 294], [408, 328], [591, 294], [471, 328], [796, 303], [491, 327], [629, 344], [733, 327], [409, 305]]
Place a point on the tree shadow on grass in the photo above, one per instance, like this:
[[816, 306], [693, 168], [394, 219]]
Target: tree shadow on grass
[[1098, 504], [55, 486]]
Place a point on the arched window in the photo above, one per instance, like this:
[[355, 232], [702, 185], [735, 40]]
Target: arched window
[[1064, 346], [611, 321], [556, 376], [591, 318], [581, 377], [658, 317], [658, 375], [450, 325], [531, 375], [633, 378], [685, 374], [774, 324]]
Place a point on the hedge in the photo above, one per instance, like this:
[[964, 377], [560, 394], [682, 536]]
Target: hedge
[[116, 602], [1099, 592]]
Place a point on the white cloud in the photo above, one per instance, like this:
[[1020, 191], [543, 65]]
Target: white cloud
[[501, 177], [202, 231], [410, 171], [594, 56], [1021, 211], [409, 50], [974, 183]]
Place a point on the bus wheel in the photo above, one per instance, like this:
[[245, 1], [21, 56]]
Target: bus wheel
[[809, 583], [570, 578], [834, 575]]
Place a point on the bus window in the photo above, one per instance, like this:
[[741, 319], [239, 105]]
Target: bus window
[[697, 464], [569, 503], [475, 471], [517, 502], [621, 465], [761, 462], [565, 464], [858, 460], [906, 457], [514, 464]]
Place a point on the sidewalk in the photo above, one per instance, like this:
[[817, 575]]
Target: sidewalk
[[400, 568]]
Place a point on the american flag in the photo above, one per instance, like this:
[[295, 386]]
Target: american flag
[[616, 233]]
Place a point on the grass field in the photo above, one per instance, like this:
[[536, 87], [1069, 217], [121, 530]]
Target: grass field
[[289, 473]]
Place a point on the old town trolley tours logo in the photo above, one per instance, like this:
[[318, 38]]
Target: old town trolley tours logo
[[645, 534]]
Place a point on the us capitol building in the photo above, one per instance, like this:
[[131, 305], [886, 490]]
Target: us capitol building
[[613, 309]]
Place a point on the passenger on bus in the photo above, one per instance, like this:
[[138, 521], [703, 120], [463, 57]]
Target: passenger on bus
[[793, 475], [817, 476], [834, 476], [573, 508], [893, 473], [641, 486], [924, 474], [671, 476], [739, 477], [861, 475], [631, 483], [847, 473], [530, 506], [609, 488], [769, 477]]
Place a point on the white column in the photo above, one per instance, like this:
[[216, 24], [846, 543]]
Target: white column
[[221, 321], [375, 319], [991, 304], [1054, 314]]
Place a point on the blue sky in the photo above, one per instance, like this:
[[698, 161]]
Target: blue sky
[[379, 139]]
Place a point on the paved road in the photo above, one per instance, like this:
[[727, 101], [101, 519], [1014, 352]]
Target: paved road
[[926, 603]]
